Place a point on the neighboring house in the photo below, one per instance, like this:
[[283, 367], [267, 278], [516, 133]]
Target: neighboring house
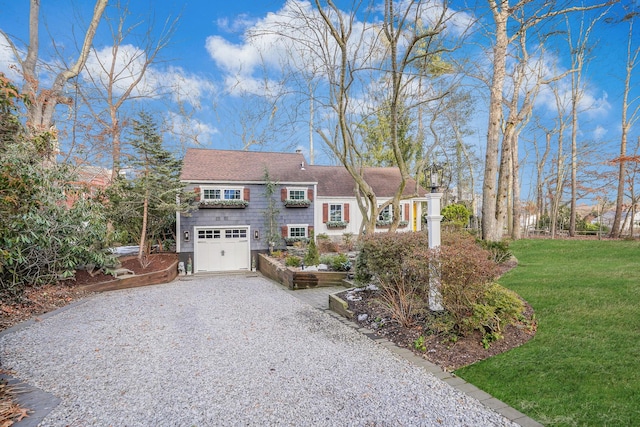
[[91, 179], [230, 228]]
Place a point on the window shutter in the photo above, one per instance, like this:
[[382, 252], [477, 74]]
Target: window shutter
[[310, 230], [310, 194], [325, 212], [285, 231], [246, 194], [197, 191], [406, 212], [283, 194], [346, 212]]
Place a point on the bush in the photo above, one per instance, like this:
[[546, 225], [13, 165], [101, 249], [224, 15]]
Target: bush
[[292, 261], [42, 240], [337, 262], [402, 262], [499, 251], [327, 245], [399, 262], [456, 214], [465, 268], [348, 240], [497, 308], [312, 257]]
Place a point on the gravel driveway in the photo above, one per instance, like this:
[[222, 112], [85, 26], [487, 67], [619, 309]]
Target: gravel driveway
[[224, 351]]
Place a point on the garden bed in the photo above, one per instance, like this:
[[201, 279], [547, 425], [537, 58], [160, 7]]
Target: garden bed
[[295, 278], [163, 268]]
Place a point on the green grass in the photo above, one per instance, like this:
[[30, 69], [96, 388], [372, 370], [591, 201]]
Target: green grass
[[583, 366]]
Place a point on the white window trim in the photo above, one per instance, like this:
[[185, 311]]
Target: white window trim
[[222, 190], [390, 207], [305, 226], [303, 189], [341, 212]]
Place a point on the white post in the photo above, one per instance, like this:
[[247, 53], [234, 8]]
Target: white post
[[433, 228]]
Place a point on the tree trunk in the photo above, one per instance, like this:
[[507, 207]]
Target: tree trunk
[[42, 102], [491, 227]]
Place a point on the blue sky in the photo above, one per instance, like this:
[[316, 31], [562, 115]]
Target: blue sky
[[212, 59]]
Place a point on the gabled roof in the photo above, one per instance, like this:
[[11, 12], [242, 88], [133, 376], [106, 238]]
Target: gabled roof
[[244, 166], [207, 165], [335, 181]]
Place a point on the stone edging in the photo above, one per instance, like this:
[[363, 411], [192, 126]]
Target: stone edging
[[338, 308]]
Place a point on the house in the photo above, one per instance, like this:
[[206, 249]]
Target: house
[[236, 212], [337, 209], [90, 180]]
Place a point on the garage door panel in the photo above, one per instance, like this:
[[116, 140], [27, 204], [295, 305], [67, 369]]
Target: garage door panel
[[222, 249]]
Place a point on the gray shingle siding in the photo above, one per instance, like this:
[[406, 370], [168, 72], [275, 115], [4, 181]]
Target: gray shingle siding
[[253, 215]]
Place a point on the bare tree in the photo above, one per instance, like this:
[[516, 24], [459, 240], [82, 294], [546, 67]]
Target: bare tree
[[579, 54], [630, 115], [43, 101], [118, 75], [504, 14]]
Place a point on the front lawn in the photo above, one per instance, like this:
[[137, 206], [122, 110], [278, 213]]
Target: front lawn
[[583, 366]]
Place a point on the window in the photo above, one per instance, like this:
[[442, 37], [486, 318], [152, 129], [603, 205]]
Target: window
[[209, 234], [335, 212], [232, 194], [222, 194], [297, 194], [385, 214], [297, 231], [211, 194], [236, 233]]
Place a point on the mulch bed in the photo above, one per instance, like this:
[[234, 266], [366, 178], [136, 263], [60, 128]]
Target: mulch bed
[[439, 350]]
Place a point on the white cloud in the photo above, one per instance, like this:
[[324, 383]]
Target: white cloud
[[8, 64], [129, 64], [233, 58], [238, 25], [191, 131], [599, 133]]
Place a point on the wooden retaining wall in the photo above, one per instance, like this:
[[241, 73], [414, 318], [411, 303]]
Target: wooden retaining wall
[[299, 279], [164, 276]]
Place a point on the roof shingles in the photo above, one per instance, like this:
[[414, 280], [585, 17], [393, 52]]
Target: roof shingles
[[206, 165]]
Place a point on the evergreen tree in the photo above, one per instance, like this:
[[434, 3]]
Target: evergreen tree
[[149, 201]]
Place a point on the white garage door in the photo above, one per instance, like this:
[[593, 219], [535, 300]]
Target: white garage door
[[222, 249]]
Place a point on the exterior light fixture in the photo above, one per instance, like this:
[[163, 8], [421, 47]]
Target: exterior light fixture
[[186, 236], [433, 176]]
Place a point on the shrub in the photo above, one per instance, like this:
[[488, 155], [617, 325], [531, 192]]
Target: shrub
[[399, 262], [327, 245], [348, 240], [465, 268], [456, 214], [402, 262], [292, 261], [498, 251], [312, 257], [337, 262], [497, 308]]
